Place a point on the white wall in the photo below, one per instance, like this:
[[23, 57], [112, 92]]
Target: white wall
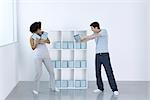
[[148, 40], [125, 21], [8, 69], [148, 34]]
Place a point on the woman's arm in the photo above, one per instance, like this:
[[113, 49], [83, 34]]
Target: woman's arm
[[45, 41], [33, 43], [44, 38]]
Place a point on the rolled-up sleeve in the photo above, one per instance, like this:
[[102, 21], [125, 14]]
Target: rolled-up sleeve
[[103, 33], [91, 37]]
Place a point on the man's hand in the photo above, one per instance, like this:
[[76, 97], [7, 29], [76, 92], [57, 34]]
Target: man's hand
[[89, 37], [83, 39]]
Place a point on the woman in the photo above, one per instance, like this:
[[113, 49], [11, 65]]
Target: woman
[[41, 55]]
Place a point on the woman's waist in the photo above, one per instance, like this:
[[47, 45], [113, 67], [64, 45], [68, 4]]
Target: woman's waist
[[41, 46], [41, 53], [41, 50]]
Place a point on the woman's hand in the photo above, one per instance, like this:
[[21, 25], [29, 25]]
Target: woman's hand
[[45, 41], [37, 41]]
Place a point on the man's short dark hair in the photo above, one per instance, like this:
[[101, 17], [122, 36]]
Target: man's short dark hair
[[95, 24], [35, 26]]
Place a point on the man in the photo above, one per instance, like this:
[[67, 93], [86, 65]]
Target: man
[[102, 57]]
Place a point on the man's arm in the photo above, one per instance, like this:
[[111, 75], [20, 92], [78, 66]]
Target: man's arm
[[89, 37]]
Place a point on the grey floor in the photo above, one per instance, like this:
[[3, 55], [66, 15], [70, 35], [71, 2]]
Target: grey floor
[[128, 91]]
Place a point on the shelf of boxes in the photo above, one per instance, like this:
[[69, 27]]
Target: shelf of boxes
[[69, 59]]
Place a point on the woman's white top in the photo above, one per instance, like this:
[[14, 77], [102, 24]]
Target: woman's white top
[[41, 51]]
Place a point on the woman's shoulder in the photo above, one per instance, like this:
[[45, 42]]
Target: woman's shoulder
[[35, 36]]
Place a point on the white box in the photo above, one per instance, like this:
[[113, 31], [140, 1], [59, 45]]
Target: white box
[[70, 64], [65, 45], [64, 83], [83, 83], [77, 83], [70, 44], [53, 63], [64, 64], [77, 45], [70, 83], [57, 45], [83, 46], [77, 64], [83, 64], [58, 63]]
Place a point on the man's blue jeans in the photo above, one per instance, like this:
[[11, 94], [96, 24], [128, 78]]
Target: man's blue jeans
[[103, 58]]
